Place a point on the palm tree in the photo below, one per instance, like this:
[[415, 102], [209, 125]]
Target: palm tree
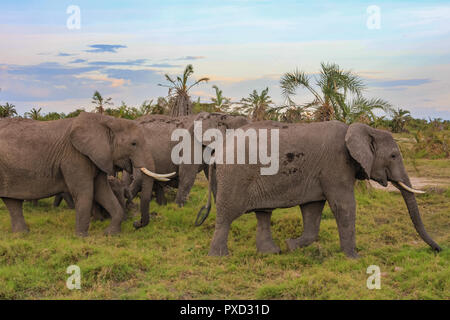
[[256, 105], [335, 86], [100, 103], [179, 89], [8, 111], [220, 102], [362, 109], [34, 114], [399, 119]]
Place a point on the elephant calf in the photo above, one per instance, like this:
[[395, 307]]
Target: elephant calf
[[120, 190], [318, 162]]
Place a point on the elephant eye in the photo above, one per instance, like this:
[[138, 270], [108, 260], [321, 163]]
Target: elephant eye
[[134, 143], [393, 156]]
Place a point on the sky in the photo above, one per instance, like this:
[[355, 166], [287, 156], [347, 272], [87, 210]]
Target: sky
[[55, 54]]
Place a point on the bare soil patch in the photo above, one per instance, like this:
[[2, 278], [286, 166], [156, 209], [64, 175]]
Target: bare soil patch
[[417, 183]]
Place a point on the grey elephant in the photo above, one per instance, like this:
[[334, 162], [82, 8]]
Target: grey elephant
[[66, 197], [318, 162], [42, 159], [118, 187], [162, 127]]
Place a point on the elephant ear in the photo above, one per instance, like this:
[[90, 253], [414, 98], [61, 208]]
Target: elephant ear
[[359, 142], [91, 136]]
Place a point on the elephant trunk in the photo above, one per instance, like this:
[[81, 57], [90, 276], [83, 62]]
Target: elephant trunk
[[413, 210], [146, 197]]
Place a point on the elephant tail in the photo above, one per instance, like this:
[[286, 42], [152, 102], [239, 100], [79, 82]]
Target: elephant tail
[[204, 211]]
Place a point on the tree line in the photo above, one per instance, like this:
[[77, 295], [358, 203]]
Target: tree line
[[337, 94]]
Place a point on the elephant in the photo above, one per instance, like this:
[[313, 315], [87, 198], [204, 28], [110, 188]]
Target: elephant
[[163, 127], [66, 197], [39, 159], [118, 187], [318, 162]]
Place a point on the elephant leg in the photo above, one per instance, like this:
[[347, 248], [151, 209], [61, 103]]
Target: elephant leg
[[83, 206], [97, 212], [264, 241], [312, 214], [219, 245], [224, 219], [187, 173], [58, 199], [160, 196], [15, 211], [343, 205], [107, 199], [122, 200], [68, 199], [80, 183]]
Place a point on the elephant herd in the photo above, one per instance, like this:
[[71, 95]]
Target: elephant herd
[[78, 160]]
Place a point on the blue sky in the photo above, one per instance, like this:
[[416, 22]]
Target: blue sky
[[123, 49]]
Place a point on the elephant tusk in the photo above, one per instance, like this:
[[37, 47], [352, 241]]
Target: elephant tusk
[[159, 177], [166, 175], [404, 186]]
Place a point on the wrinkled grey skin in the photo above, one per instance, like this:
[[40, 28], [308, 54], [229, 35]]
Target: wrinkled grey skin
[[162, 127], [318, 162], [122, 194], [42, 159], [120, 190]]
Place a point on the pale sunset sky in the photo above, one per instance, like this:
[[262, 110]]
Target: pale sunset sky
[[124, 48]]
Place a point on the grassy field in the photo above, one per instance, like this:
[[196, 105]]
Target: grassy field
[[168, 259]]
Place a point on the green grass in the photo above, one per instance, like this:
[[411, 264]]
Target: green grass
[[168, 259]]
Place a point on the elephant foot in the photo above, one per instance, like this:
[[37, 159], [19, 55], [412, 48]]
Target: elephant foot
[[161, 201], [110, 231], [138, 225], [218, 251], [81, 234], [268, 247], [352, 254], [20, 229], [301, 242], [180, 202]]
